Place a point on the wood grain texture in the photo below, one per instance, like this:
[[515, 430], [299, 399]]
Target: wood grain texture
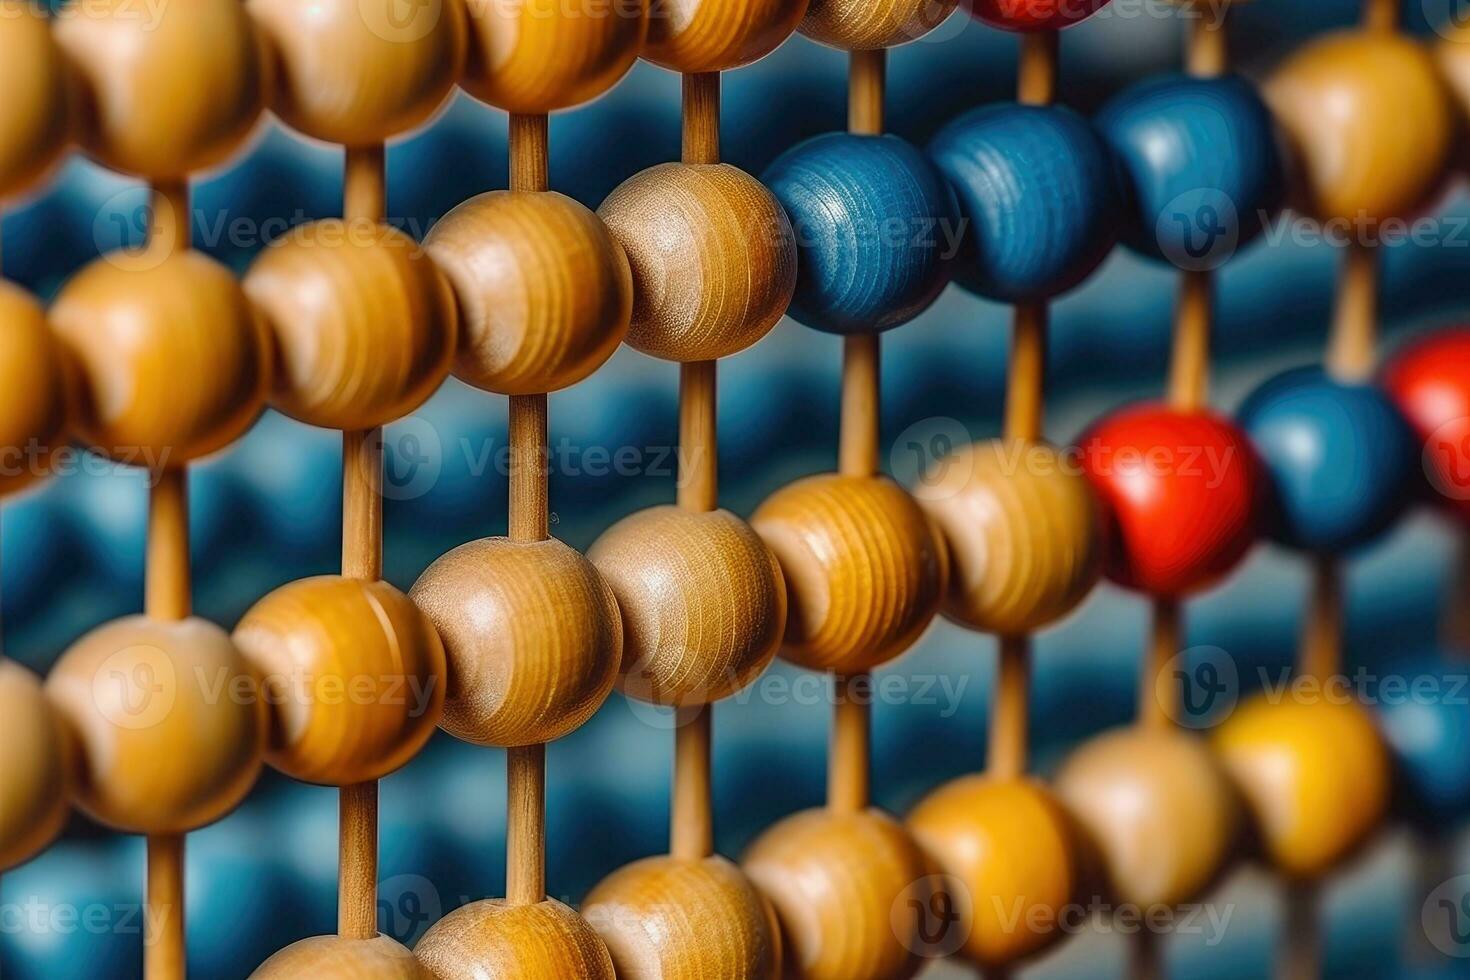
[[865, 569], [163, 96], [1314, 774], [545, 292], [545, 941], [1370, 121], [693, 36], [338, 958], [359, 72], [354, 673], [173, 361], [852, 25], [1013, 857], [1023, 530], [36, 378], [713, 259], [39, 760], [36, 123], [847, 890], [1031, 16], [1429, 381], [532, 635], [136, 691], [364, 323], [702, 599], [667, 918], [1159, 809]]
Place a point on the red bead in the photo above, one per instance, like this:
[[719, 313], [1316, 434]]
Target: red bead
[[1181, 490], [1033, 15], [1430, 382]]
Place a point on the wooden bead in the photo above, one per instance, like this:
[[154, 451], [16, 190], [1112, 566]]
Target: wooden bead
[[174, 361], [876, 229], [339, 958], [364, 323], [35, 769], [354, 674], [169, 721], [1013, 858], [713, 259], [857, 25], [544, 291], [1314, 774], [1158, 808], [1340, 457], [1039, 195], [865, 569], [1033, 15], [702, 599], [1429, 381], [532, 635], [536, 58], [667, 918], [34, 377], [358, 72], [835, 880], [1452, 54], [1370, 122], [1181, 495], [168, 94], [34, 125], [546, 941], [1023, 534], [718, 35]]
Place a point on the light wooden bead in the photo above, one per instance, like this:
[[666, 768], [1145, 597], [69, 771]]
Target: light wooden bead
[[713, 258], [1453, 56], [718, 35], [546, 941], [354, 673], [34, 377], [862, 25], [165, 94], [169, 721], [1370, 121], [534, 57], [544, 291], [532, 636], [702, 601], [667, 918], [1159, 809], [1314, 774], [841, 885], [1013, 858], [358, 72], [364, 323], [339, 958], [865, 569], [36, 764], [174, 361], [34, 123]]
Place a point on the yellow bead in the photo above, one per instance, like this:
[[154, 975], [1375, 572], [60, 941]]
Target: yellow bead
[[718, 35], [35, 770], [702, 602], [545, 291], [34, 377], [864, 567], [532, 635], [364, 323], [336, 958], [34, 123], [713, 259], [546, 941], [354, 674], [863, 25], [359, 72], [169, 721]]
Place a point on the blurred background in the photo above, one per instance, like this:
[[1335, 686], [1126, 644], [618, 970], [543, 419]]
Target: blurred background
[[268, 511]]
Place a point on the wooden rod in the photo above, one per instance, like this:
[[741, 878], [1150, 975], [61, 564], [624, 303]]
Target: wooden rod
[[362, 504], [691, 829], [357, 864], [1455, 623], [530, 168], [698, 442], [1321, 648], [1010, 712], [702, 117], [1353, 341], [1189, 362], [1381, 15], [1036, 73], [164, 950], [525, 827], [858, 439], [365, 184], [848, 766], [1207, 50], [168, 219], [867, 74], [1146, 955], [1301, 958], [1026, 384], [1158, 705], [528, 476], [166, 590]]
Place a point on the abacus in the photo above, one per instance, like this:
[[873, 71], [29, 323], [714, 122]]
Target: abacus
[[157, 358]]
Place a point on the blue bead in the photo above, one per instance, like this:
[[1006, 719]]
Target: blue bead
[[874, 223], [1427, 725], [1341, 458], [1202, 165], [1040, 196]]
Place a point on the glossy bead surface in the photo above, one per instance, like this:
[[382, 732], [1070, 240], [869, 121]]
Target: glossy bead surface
[[337, 958], [1023, 532], [702, 600], [34, 125], [174, 362], [1039, 195], [713, 259], [1427, 729], [544, 290], [718, 35], [1181, 495], [1203, 165], [35, 767], [546, 941], [1429, 381], [876, 229], [137, 691], [1033, 15], [1340, 457], [864, 567], [855, 25], [165, 95], [35, 377], [532, 635]]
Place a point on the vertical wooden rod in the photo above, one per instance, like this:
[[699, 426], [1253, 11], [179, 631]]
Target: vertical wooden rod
[[529, 158], [1189, 361], [698, 441], [691, 829], [166, 589], [858, 440], [1158, 705], [1381, 15], [1207, 50], [1011, 712], [1036, 75], [525, 825], [164, 951], [1455, 626], [848, 765], [702, 117], [1353, 342], [1025, 383], [1303, 952], [1321, 649], [867, 76], [528, 476], [357, 857]]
